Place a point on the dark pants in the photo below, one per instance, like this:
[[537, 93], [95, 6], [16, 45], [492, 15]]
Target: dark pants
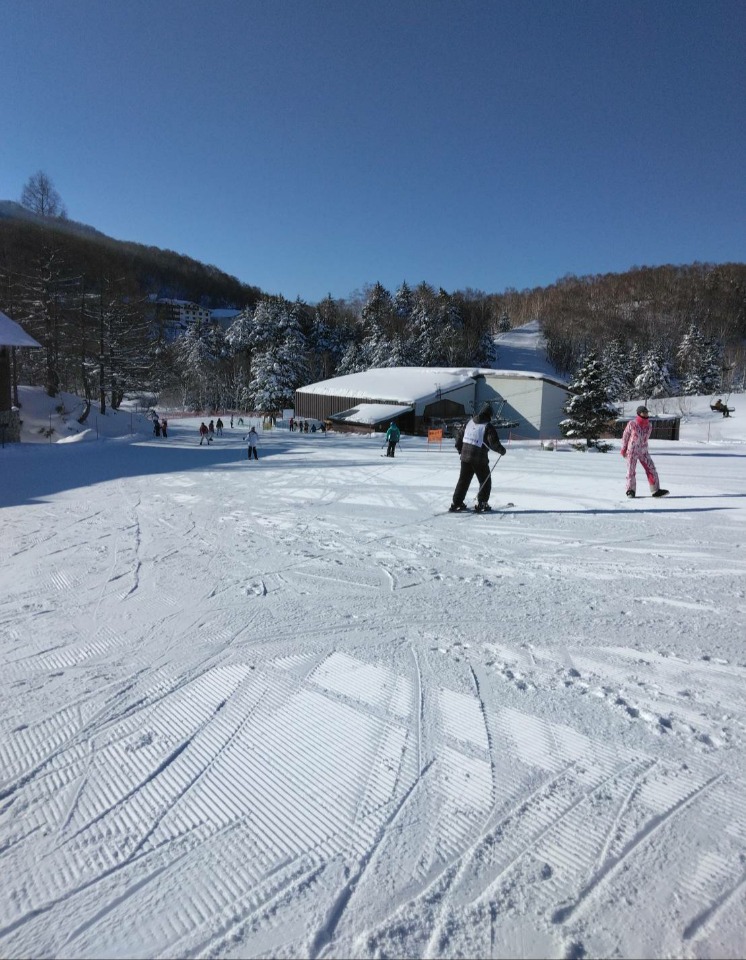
[[391, 447], [253, 450], [482, 469]]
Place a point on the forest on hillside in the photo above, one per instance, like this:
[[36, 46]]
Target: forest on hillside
[[89, 300], [645, 309]]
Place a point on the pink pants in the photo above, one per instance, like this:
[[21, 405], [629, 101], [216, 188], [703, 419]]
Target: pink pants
[[647, 465]]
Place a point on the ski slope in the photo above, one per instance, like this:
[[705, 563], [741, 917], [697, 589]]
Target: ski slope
[[289, 709]]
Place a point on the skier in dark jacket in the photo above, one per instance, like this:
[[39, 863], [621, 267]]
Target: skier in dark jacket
[[472, 442]]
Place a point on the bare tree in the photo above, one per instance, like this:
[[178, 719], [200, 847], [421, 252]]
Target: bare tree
[[39, 195]]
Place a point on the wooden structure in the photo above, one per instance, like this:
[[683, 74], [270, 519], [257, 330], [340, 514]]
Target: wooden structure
[[424, 398], [664, 427], [12, 336]]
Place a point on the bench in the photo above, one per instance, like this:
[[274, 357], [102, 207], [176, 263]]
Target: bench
[[722, 408]]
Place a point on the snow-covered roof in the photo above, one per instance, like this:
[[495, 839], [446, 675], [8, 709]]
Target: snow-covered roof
[[405, 384], [12, 334], [371, 413], [411, 384]]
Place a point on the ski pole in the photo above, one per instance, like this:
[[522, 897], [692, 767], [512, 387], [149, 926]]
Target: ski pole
[[499, 458]]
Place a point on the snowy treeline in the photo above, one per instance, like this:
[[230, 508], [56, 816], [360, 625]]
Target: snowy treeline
[[90, 303], [275, 347], [617, 374], [694, 367], [648, 310]]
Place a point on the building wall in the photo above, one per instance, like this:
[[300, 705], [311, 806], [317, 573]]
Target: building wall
[[552, 412], [523, 398]]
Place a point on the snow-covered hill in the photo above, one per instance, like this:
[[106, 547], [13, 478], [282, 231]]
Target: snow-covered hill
[[524, 348]]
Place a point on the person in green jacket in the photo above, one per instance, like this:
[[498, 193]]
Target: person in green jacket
[[392, 435]]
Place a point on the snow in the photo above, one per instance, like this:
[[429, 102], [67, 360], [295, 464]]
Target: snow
[[521, 354], [292, 708], [524, 349], [12, 334], [406, 384], [371, 413]]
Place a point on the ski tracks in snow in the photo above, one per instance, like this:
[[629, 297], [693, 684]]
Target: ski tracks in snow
[[261, 724]]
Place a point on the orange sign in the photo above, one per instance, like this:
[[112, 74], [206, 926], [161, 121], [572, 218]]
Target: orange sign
[[435, 436]]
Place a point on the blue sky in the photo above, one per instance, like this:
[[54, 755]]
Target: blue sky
[[315, 147]]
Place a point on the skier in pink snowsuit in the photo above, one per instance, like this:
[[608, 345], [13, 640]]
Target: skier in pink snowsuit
[[635, 447]]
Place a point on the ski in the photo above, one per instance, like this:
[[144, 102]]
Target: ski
[[470, 511]]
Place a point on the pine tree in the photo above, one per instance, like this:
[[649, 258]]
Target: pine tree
[[195, 361], [589, 411], [654, 379], [279, 366], [711, 372], [688, 358], [376, 319], [327, 341], [699, 363], [616, 361]]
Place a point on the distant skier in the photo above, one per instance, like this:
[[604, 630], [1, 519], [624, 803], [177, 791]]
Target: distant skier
[[219, 427], [252, 439], [472, 442], [156, 427], [635, 447], [204, 434], [393, 436], [164, 427]]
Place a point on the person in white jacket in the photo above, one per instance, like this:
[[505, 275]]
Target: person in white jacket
[[635, 449], [252, 438]]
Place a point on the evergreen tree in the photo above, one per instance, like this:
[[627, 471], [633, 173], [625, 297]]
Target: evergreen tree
[[589, 411], [239, 338], [699, 362], [327, 341], [377, 318], [690, 349], [711, 372], [403, 303], [450, 330], [653, 380], [616, 361], [196, 364], [424, 331], [279, 366]]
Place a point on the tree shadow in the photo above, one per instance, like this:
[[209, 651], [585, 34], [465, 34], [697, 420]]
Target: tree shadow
[[32, 473]]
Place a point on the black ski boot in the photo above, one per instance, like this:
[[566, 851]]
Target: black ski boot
[[660, 493], [457, 507], [631, 494], [481, 507]]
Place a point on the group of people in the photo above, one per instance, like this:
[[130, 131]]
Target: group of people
[[478, 436], [160, 427], [302, 426], [210, 430]]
